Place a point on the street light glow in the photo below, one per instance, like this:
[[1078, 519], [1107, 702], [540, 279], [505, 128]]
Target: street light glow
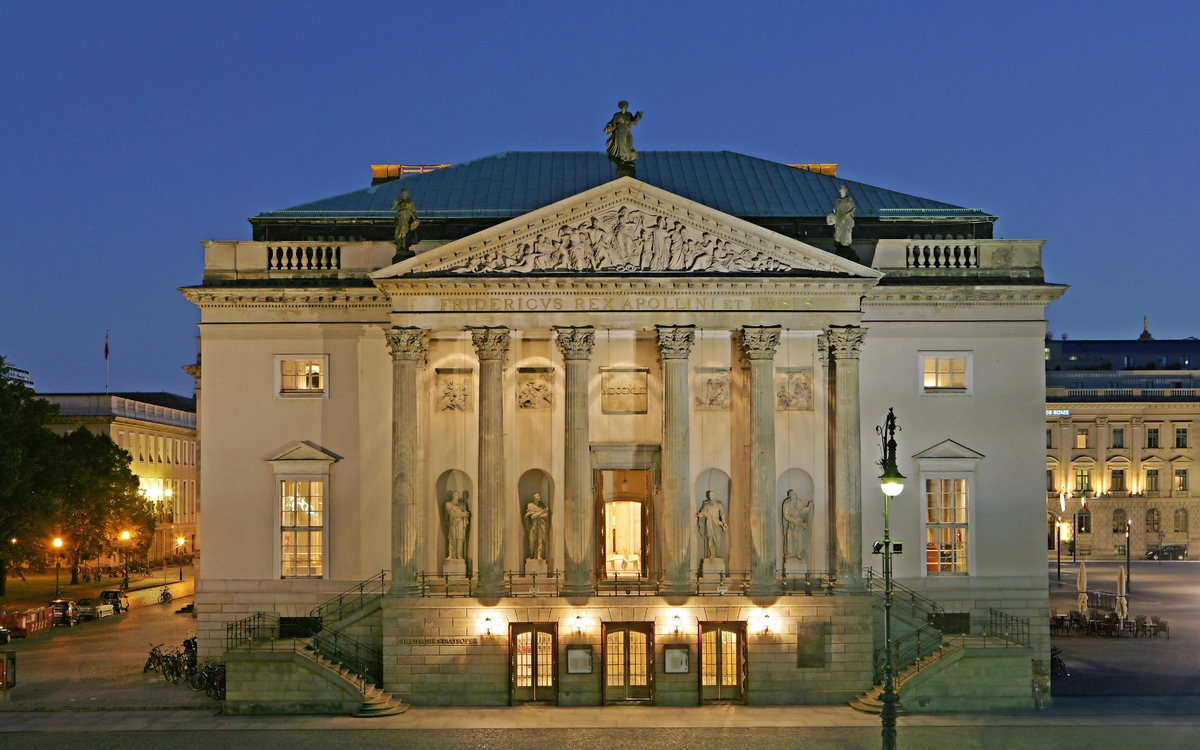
[[125, 536], [180, 541], [57, 541]]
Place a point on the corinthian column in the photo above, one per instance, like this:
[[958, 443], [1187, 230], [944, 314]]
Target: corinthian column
[[758, 346], [491, 346], [845, 343], [576, 347], [408, 346], [674, 346]]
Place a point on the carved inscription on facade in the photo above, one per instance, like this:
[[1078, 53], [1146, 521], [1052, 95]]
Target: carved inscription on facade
[[624, 390], [535, 388], [793, 389], [436, 641], [624, 239], [622, 302], [711, 388], [453, 386]]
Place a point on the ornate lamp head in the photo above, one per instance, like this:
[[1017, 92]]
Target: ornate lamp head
[[891, 481]]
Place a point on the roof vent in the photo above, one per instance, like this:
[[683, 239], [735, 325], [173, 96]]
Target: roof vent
[[387, 172]]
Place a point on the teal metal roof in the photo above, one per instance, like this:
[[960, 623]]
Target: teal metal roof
[[513, 183]]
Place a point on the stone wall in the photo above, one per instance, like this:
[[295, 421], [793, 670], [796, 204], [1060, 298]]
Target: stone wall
[[973, 679], [284, 682], [476, 671]]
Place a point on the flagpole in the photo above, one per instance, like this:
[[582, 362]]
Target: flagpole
[[106, 363]]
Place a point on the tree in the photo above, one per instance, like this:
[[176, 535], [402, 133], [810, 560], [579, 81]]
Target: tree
[[27, 457], [97, 496]]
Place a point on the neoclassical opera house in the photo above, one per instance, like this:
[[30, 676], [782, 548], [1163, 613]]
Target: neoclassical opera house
[[534, 431]]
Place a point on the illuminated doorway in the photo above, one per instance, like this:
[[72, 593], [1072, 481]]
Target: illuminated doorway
[[623, 521], [533, 662], [722, 662], [628, 660]]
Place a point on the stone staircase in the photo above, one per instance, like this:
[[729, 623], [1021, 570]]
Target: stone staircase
[[869, 702], [376, 702]]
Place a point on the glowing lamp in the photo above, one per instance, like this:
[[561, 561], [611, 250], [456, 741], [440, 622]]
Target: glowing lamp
[[676, 621], [57, 542], [124, 536]]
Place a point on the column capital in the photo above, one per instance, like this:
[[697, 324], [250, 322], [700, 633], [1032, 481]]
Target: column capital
[[1101, 421], [407, 344], [491, 342], [1064, 421], [845, 342], [760, 342], [575, 342], [675, 342], [1136, 421]]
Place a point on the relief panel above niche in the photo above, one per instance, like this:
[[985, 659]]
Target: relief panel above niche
[[453, 386]]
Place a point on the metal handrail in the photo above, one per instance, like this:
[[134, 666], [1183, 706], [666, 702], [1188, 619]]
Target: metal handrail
[[257, 627], [909, 649], [448, 586], [361, 659], [901, 594], [351, 601], [533, 584], [1011, 628]]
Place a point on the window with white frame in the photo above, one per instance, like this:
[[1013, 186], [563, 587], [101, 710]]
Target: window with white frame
[[946, 373], [1181, 436], [1151, 480], [302, 375], [1151, 437], [946, 525], [1181, 480], [302, 528], [1116, 481], [1118, 437]]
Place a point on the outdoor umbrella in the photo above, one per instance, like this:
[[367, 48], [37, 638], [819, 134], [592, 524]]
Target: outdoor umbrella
[[1122, 602], [1081, 587]]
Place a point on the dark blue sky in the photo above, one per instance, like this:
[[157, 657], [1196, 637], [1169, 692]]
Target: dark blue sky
[[130, 132]]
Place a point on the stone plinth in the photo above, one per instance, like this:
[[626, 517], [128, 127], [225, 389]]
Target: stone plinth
[[457, 568], [535, 567]]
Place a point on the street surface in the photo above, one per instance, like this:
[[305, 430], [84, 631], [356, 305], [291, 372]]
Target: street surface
[[1133, 666]]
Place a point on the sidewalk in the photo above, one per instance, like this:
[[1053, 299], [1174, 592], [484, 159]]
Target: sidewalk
[[1071, 712]]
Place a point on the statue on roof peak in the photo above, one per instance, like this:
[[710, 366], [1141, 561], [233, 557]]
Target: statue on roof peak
[[841, 218], [406, 222], [620, 140]]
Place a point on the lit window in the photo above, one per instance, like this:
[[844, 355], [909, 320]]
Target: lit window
[[1151, 437], [1151, 480], [301, 376], [1181, 480], [1081, 438], [1083, 522], [1118, 437], [1118, 524], [1152, 520], [302, 528], [1083, 480], [946, 526], [944, 374], [1181, 521]]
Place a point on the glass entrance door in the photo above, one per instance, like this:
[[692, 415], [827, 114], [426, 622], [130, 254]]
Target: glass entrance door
[[628, 662], [533, 667], [722, 662]]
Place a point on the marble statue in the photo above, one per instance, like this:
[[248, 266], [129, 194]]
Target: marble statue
[[797, 513], [625, 239], [537, 525], [620, 139], [458, 516], [406, 222], [842, 217], [711, 519]]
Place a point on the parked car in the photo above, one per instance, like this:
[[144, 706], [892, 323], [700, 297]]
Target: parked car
[[1168, 552], [118, 600], [66, 612], [94, 609], [5, 635]]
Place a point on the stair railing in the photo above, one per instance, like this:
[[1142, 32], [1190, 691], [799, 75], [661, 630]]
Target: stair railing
[[908, 649], [262, 626], [918, 606], [361, 659], [348, 602]]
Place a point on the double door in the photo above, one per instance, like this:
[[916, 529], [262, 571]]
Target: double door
[[722, 662], [533, 662], [628, 658]]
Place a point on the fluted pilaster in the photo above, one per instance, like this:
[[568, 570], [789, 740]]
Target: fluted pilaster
[[575, 344], [408, 347], [674, 346], [758, 347], [491, 346]]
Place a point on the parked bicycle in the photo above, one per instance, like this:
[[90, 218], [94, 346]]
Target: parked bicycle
[[164, 595], [1057, 667], [155, 662], [209, 677]]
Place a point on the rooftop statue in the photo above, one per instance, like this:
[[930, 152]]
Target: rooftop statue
[[406, 223], [842, 217], [620, 140]]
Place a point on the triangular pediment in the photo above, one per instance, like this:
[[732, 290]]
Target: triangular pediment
[[949, 449], [626, 227], [303, 450]]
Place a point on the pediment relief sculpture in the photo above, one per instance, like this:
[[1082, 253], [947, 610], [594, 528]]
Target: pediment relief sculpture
[[621, 240]]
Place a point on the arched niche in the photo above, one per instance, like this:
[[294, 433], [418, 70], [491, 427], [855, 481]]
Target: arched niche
[[717, 482], [449, 482], [535, 481], [796, 523]]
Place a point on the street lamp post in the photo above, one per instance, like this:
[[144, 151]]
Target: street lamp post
[[125, 536], [1058, 545], [179, 542], [892, 484], [57, 566], [1128, 539]]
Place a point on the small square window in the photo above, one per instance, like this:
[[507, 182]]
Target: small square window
[[946, 373], [302, 376]]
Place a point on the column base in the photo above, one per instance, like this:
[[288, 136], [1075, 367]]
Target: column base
[[405, 589], [575, 590]]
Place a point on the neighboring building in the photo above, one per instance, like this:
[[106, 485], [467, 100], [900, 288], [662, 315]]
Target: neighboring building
[[159, 431], [17, 375], [620, 349], [1122, 445]]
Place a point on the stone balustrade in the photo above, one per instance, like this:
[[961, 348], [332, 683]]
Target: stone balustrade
[[227, 261], [959, 257]]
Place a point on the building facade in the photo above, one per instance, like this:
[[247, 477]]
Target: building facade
[[158, 430], [613, 440], [1121, 421]]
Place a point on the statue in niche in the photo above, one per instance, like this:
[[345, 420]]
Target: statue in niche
[[537, 527], [406, 223], [620, 139], [797, 514], [842, 217], [711, 519], [458, 516]]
